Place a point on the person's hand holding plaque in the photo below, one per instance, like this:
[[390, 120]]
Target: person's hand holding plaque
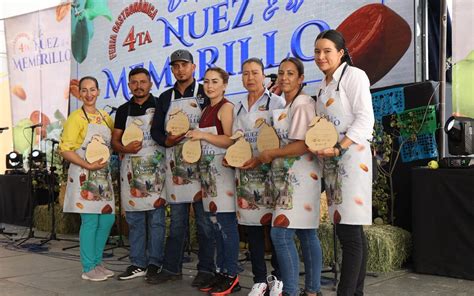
[[321, 137], [240, 152], [97, 150]]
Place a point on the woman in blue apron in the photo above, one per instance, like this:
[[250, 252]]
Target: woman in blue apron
[[218, 181], [344, 97], [296, 184], [89, 189]]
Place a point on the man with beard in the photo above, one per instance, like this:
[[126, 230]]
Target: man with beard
[[183, 185], [142, 175]]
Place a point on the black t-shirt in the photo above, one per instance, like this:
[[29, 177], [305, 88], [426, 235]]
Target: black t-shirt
[[133, 109], [158, 132]]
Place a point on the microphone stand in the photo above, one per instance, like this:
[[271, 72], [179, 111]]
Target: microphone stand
[[32, 202], [51, 205]]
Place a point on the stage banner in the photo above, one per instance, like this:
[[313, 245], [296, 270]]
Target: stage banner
[[109, 38], [39, 65], [463, 58]]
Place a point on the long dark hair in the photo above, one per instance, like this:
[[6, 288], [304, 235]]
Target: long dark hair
[[340, 43]]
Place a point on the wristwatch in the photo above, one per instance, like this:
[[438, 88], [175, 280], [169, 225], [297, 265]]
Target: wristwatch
[[341, 150]]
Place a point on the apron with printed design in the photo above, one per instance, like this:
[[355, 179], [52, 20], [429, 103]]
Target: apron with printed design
[[254, 193], [217, 181], [183, 184], [348, 182], [90, 192], [296, 182], [143, 174]]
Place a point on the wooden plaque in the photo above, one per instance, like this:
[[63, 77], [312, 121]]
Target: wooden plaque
[[178, 124], [133, 133], [191, 151], [96, 150], [321, 135], [238, 153], [267, 138]]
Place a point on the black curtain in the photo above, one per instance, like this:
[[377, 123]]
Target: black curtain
[[434, 12]]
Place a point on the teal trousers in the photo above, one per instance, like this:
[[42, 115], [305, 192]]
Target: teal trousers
[[95, 229]]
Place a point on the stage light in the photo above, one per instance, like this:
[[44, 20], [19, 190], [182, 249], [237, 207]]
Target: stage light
[[14, 160], [37, 159], [460, 135]]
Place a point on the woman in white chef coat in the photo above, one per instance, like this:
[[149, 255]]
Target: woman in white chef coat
[[344, 98]]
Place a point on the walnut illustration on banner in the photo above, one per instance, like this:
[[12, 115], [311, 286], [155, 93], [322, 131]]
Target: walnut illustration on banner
[[267, 137], [178, 124], [133, 132], [240, 152], [321, 135], [97, 149], [191, 151]]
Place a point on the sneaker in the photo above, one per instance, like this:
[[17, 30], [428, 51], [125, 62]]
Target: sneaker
[[275, 286], [152, 271], [108, 273], [258, 289], [94, 275], [202, 278], [164, 276], [225, 286], [132, 272], [206, 287]]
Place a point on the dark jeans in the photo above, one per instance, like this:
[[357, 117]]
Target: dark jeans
[[256, 240], [227, 242], [354, 259], [175, 243]]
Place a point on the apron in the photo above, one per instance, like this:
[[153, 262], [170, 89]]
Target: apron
[[348, 181], [253, 187], [217, 181], [90, 192], [143, 187], [183, 184], [296, 182]]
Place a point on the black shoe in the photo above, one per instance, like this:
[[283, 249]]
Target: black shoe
[[152, 271], [202, 278], [164, 276], [303, 293], [207, 286], [132, 272], [225, 286]]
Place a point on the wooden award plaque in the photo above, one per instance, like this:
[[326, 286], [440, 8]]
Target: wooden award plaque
[[267, 138], [133, 133], [96, 150], [191, 151], [321, 135], [178, 124], [240, 152]]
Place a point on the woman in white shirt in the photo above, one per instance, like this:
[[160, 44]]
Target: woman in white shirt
[[344, 97]]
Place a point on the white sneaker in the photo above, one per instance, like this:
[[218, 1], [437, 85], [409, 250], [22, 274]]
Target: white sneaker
[[276, 286], [108, 273], [258, 289], [94, 275]]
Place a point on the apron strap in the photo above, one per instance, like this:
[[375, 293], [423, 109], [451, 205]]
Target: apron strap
[[338, 84]]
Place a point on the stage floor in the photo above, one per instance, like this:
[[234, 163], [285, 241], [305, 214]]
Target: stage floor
[[55, 272]]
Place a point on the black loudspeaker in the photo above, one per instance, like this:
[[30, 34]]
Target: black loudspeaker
[[460, 135]]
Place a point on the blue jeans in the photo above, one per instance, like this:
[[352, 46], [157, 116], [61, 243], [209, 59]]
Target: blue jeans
[[93, 235], [227, 242], [284, 241], [142, 252], [175, 242], [256, 240]]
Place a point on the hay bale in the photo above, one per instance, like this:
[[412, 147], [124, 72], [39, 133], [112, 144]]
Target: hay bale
[[65, 222], [388, 246]]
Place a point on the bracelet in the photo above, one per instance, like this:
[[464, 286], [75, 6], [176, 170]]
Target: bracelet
[[341, 150]]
